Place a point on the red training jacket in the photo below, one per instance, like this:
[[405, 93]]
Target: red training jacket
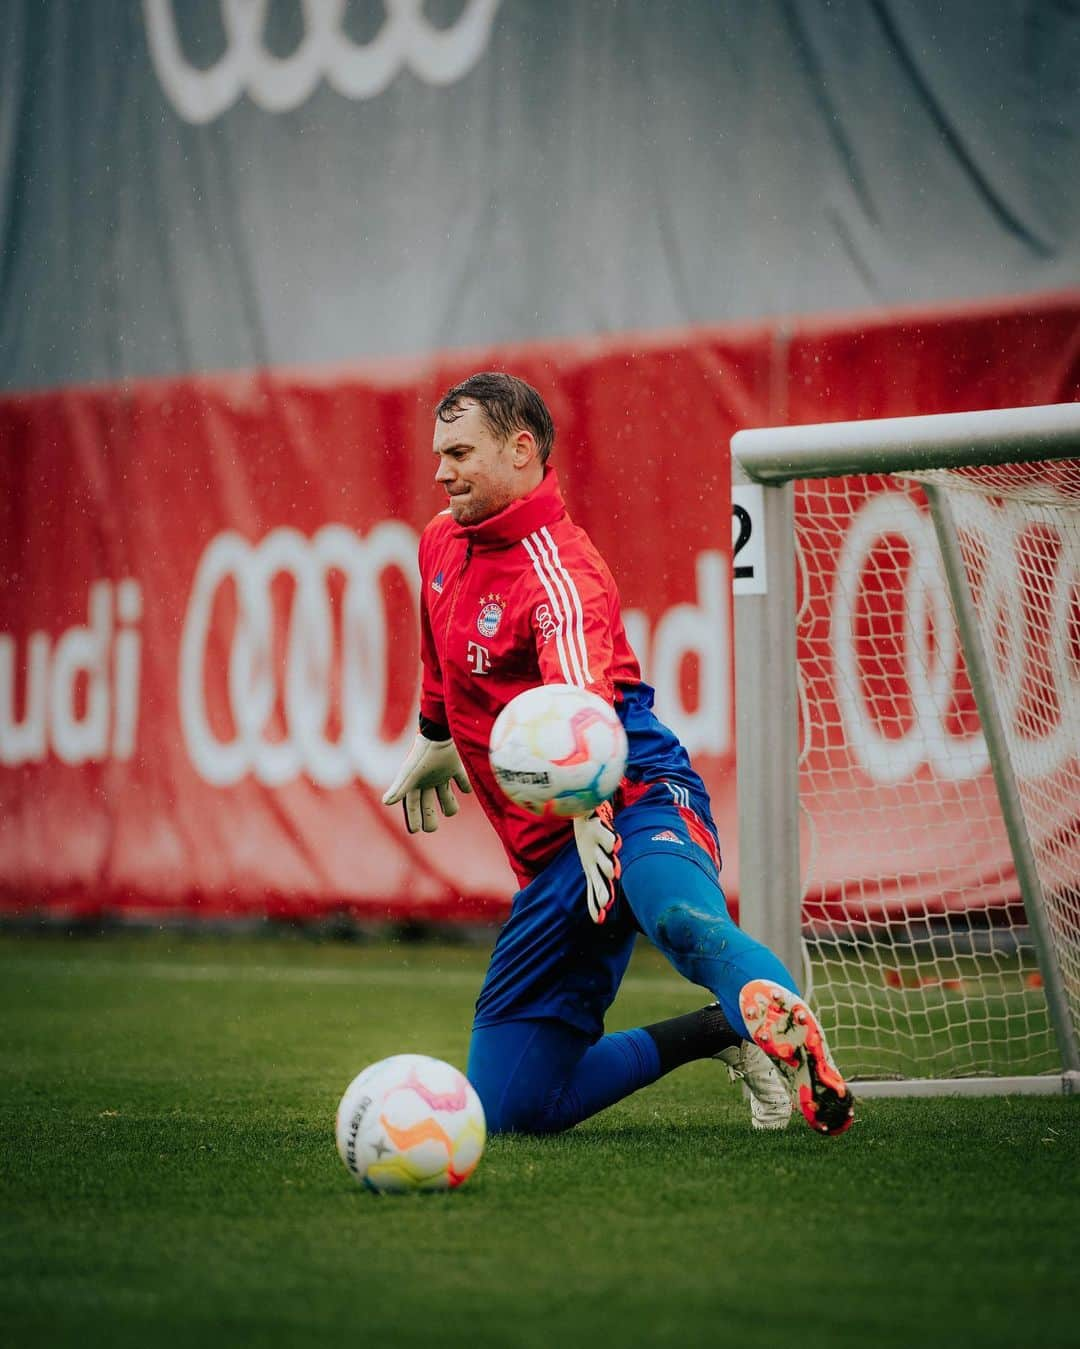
[[520, 599]]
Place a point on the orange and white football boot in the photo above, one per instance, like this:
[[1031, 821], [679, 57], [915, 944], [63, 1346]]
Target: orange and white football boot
[[781, 1023]]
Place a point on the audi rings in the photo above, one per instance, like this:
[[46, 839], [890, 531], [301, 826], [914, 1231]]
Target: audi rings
[[1032, 663], [309, 666], [356, 70]]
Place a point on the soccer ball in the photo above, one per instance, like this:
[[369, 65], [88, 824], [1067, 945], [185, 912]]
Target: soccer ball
[[410, 1123], [558, 750]]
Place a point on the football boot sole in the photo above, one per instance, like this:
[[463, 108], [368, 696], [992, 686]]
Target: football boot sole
[[780, 1022]]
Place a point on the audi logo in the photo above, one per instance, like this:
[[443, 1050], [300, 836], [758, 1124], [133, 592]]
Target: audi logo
[[310, 672], [357, 70], [1026, 580]]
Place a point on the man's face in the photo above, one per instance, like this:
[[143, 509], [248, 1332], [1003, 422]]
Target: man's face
[[478, 470]]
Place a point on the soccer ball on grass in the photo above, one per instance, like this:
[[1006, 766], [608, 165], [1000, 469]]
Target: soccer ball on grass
[[410, 1123], [558, 750]]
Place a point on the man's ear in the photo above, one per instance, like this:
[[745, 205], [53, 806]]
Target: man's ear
[[523, 448]]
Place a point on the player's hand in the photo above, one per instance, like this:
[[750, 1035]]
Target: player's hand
[[598, 847], [424, 778]]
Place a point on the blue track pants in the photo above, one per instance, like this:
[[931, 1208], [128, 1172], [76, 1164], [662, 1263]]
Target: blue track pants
[[539, 1063]]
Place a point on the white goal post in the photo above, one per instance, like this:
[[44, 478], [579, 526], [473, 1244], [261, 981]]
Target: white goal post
[[973, 987]]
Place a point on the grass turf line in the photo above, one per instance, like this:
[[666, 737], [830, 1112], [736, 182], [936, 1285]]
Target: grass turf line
[[169, 1176]]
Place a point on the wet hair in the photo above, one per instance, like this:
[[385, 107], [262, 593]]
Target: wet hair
[[506, 403]]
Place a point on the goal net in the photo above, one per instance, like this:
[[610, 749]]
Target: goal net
[[935, 763]]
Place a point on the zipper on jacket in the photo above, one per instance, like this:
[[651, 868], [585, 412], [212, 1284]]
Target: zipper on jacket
[[452, 608]]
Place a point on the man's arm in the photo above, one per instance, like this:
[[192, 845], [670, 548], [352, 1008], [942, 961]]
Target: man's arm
[[432, 764], [432, 706], [574, 611]]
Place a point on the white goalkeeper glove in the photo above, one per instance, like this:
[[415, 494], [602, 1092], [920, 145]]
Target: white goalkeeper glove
[[425, 778], [598, 847]]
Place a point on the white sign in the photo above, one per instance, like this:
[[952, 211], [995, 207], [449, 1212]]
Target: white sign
[[748, 540]]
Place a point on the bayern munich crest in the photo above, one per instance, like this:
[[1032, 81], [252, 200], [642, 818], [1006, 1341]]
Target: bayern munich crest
[[490, 616]]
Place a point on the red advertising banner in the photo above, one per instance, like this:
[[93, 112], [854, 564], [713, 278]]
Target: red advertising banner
[[208, 667], [901, 817], [208, 655]]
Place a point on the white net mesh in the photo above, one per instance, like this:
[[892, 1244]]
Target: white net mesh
[[921, 961]]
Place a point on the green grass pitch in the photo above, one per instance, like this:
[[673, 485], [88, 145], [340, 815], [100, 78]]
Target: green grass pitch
[[169, 1177]]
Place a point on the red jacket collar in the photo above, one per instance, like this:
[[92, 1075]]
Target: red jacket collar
[[542, 506]]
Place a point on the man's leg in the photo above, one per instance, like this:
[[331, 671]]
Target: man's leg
[[543, 1076], [554, 969], [682, 910]]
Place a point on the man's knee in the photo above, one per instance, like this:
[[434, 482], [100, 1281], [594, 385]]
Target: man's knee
[[516, 1098], [520, 1070], [684, 931], [520, 1117]]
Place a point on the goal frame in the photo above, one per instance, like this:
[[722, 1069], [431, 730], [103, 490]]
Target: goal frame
[[766, 677]]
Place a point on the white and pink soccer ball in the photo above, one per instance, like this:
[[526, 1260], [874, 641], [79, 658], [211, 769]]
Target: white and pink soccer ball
[[558, 750], [410, 1123]]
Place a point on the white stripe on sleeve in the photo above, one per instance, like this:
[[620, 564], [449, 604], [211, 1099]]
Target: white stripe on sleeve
[[561, 625], [574, 607], [575, 598]]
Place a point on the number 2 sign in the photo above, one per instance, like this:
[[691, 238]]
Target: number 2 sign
[[748, 540]]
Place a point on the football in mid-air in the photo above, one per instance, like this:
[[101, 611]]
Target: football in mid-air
[[408, 1123], [558, 750]]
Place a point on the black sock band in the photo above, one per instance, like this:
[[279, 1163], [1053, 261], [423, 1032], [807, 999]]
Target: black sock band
[[698, 1035]]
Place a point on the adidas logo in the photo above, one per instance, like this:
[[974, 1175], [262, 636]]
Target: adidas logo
[[667, 836]]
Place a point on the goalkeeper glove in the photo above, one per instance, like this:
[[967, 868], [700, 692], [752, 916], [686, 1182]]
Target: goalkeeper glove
[[598, 847], [425, 777]]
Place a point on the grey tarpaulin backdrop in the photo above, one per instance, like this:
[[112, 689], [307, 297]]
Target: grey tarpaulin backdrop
[[183, 186]]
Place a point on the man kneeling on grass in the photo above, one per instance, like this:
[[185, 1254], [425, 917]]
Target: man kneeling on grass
[[648, 861]]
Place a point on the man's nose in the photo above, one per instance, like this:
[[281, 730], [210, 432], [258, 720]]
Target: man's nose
[[444, 472]]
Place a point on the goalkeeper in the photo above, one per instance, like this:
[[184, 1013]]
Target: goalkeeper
[[513, 594]]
